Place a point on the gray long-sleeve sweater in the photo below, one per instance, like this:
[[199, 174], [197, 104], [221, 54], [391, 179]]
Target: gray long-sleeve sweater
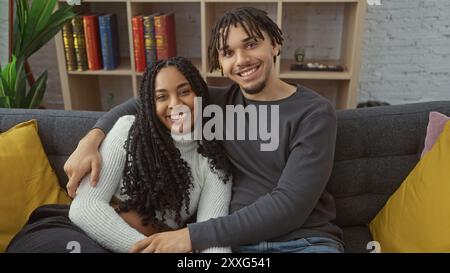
[[277, 195]]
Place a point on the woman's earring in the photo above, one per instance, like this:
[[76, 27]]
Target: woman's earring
[[221, 70]]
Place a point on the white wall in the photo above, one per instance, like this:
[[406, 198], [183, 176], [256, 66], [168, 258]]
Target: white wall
[[406, 52], [3, 32]]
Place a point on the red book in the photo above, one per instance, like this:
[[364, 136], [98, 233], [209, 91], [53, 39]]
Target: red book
[[138, 43], [92, 38], [166, 45]]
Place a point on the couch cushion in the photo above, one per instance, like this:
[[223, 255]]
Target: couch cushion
[[435, 127], [376, 148], [415, 218], [26, 179], [59, 131]]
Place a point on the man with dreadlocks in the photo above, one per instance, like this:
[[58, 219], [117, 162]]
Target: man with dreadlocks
[[279, 201]]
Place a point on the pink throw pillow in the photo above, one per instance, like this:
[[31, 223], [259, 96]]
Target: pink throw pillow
[[435, 126]]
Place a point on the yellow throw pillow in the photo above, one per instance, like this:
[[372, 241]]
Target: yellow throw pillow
[[27, 180], [416, 217]]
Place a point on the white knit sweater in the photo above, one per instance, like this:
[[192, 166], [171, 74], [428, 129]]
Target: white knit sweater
[[91, 209]]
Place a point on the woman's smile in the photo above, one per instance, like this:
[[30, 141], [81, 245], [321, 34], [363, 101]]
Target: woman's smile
[[174, 100]]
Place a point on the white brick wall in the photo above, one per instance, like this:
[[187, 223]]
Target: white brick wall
[[406, 51], [405, 55]]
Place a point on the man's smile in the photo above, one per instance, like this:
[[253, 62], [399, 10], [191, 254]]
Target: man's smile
[[249, 73]]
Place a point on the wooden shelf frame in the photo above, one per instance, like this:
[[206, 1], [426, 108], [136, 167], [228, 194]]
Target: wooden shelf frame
[[80, 88]]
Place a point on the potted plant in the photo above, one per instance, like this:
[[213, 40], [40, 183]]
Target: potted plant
[[34, 26]]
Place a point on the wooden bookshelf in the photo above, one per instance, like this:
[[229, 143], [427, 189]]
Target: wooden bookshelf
[[338, 41]]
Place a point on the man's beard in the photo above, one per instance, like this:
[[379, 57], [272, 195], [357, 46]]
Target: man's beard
[[256, 89]]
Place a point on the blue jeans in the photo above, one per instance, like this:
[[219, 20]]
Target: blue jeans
[[304, 245]]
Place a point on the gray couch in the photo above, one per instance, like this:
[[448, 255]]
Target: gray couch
[[376, 148]]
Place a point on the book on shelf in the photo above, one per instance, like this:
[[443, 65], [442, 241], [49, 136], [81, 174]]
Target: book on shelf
[[150, 38], [165, 35], [109, 40], [138, 43], [79, 43], [92, 42], [69, 49]]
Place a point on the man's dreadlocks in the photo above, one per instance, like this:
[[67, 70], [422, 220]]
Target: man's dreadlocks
[[252, 20]]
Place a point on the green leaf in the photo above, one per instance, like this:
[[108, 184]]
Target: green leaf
[[4, 72], [4, 86], [34, 26], [45, 14], [9, 74], [20, 85], [19, 25], [37, 25], [4, 102], [36, 93], [57, 21], [22, 13], [38, 18]]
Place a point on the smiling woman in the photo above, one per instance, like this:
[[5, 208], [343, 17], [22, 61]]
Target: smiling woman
[[174, 100], [151, 180]]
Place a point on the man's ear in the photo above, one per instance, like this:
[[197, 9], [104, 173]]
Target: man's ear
[[221, 69], [276, 50]]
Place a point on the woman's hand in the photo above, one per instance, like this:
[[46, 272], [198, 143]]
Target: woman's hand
[[178, 241], [86, 158]]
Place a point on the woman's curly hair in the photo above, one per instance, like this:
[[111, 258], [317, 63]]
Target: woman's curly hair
[[156, 178]]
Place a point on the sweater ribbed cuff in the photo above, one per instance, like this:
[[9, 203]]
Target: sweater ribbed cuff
[[202, 235]]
